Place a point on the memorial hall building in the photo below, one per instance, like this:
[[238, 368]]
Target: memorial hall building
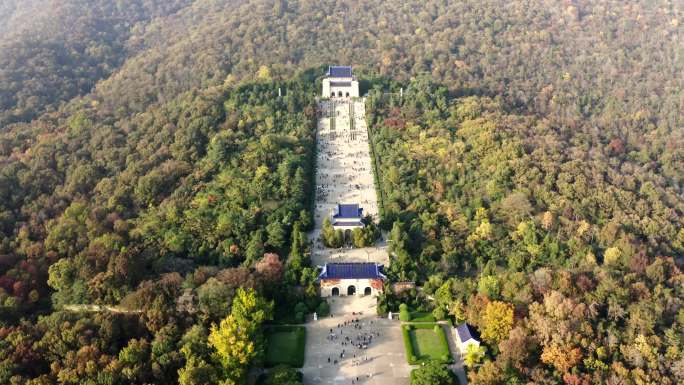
[[340, 83], [351, 278]]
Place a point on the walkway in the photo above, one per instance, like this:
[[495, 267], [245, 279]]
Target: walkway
[[344, 174], [457, 366], [98, 309]]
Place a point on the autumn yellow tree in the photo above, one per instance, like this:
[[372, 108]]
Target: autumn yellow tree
[[473, 355], [497, 322], [264, 73], [237, 340], [562, 358]]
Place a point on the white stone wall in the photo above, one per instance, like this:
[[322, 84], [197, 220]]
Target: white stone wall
[[343, 285], [343, 228], [463, 345], [328, 89]]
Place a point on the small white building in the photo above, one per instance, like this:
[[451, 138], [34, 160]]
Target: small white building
[[466, 336], [351, 279], [340, 83]]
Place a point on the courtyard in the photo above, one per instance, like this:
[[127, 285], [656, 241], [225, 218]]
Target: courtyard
[[380, 361]]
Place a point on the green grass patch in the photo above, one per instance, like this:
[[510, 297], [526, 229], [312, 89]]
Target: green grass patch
[[424, 342], [285, 345]]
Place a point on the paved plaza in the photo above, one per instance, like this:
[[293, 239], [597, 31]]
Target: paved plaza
[[344, 174], [382, 361]]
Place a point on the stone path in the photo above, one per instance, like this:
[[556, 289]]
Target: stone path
[[344, 174], [457, 367], [76, 308]]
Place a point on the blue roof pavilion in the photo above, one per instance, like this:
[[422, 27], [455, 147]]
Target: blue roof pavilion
[[352, 271], [340, 71], [349, 211]]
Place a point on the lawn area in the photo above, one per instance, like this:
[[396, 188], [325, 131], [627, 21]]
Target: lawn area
[[425, 342], [285, 345]]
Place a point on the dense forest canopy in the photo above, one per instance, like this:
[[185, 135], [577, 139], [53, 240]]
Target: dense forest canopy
[[534, 167], [53, 51], [491, 217]]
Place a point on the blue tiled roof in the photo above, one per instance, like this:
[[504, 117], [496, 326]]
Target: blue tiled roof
[[351, 271], [465, 332], [348, 211], [340, 72]]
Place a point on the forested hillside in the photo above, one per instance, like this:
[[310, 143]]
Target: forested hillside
[[535, 162], [211, 180], [52, 51], [493, 212], [534, 56]]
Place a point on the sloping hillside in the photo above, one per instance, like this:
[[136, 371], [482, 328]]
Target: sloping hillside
[[145, 158], [53, 51]]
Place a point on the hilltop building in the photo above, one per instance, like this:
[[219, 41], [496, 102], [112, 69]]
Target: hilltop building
[[347, 217], [340, 83], [351, 279]]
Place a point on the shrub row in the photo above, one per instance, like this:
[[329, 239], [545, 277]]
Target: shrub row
[[411, 356]]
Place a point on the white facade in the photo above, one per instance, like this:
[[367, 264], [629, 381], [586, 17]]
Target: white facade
[[465, 337], [340, 88], [349, 227], [350, 286], [463, 345]]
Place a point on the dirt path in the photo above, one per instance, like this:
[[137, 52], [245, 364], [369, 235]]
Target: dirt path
[[98, 309]]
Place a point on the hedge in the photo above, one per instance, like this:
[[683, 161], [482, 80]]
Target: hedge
[[412, 356]]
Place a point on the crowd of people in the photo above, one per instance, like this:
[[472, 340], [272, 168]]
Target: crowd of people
[[354, 336], [344, 164]]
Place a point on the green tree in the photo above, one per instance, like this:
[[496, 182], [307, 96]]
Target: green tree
[[135, 358], [283, 375], [237, 340], [497, 322], [213, 298], [358, 239], [275, 235], [255, 247], [197, 372], [473, 355], [433, 373], [331, 237]]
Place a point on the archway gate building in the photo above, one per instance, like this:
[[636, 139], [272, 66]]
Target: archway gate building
[[340, 83], [351, 278]]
